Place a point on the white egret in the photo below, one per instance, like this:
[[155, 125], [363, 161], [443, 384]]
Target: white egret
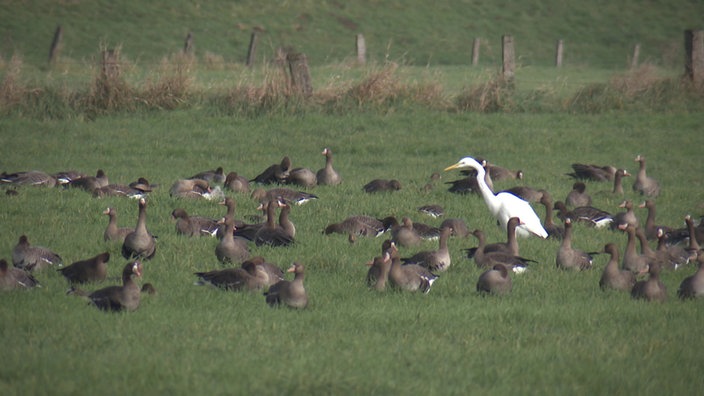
[[504, 205]]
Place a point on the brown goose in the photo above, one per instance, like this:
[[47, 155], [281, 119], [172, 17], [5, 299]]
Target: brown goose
[[569, 258], [675, 255], [286, 194], [693, 286], [120, 190], [470, 183], [276, 173], [190, 188], [651, 229], [271, 233], [139, 243], [495, 280], [693, 246], [12, 278], [651, 289], [613, 277], [382, 266], [216, 176], [405, 235], [360, 225], [382, 185], [290, 293], [29, 178], [500, 173], [231, 249], [247, 277], [435, 260], [410, 277], [432, 210], [285, 222], [526, 193], [644, 184], [487, 260], [511, 244], [625, 218], [578, 196], [328, 176], [593, 172], [33, 258], [119, 298], [587, 214], [458, 226], [91, 183], [554, 231], [148, 288], [236, 183], [375, 267], [112, 231], [618, 181], [303, 177], [193, 226], [632, 260], [94, 269]]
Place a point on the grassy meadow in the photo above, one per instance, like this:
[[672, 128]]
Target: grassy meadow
[[414, 109]]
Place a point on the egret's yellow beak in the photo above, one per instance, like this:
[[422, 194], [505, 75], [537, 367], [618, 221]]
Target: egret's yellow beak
[[451, 167]]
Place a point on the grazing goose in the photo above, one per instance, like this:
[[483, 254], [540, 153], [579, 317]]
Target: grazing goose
[[193, 226], [303, 177], [526, 193], [410, 277], [651, 229], [405, 235], [33, 258], [382, 185], [495, 280], [12, 278], [276, 173], [569, 258], [644, 184], [433, 210], [632, 260], [236, 183], [94, 269], [435, 260], [503, 206], [458, 226], [120, 298], [618, 181], [613, 277], [91, 183], [270, 233], [578, 196], [247, 277], [625, 218], [290, 293], [328, 176], [593, 172], [651, 289], [190, 188], [693, 286], [360, 225], [554, 231], [29, 178], [112, 231], [590, 215], [215, 176], [139, 243], [231, 249], [487, 260], [286, 194]]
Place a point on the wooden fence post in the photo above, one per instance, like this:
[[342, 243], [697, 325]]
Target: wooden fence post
[[636, 55], [361, 46], [508, 59], [55, 48], [475, 51], [558, 53], [694, 55], [300, 74], [188, 44], [252, 50]]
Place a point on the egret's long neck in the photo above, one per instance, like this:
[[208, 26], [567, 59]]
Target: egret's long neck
[[489, 198]]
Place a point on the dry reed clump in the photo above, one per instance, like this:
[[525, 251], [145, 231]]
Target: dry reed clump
[[213, 61], [171, 87], [12, 91], [109, 91], [496, 94], [274, 93]]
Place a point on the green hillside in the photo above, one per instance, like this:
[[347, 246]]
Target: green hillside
[[596, 33]]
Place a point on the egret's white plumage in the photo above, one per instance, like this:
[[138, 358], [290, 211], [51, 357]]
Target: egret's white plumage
[[504, 205]]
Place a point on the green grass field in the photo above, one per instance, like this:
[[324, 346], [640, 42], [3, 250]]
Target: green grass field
[[556, 333]]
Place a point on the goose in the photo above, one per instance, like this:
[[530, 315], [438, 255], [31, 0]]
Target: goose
[[360, 225], [434, 177], [303, 177], [410, 277], [432, 210], [405, 235], [231, 249], [693, 246], [139, 243], [94, 269], [271, 233], [651, 229], [554, 231], [276, 173], [91, 183], [328, 176], [618, 181], [286, 194], [587, 214], [503, 206], [676, 256], [121, 190], [569, 258], [215, 176], [632, 260], [495, 280], [693, 286], [112, 231], [651, 289], [435, 260], [193, 226], [613, 277], [578, 196], [247, 277], [500, 173], [382, 185], [285, 222], [625, 218], [148, 288], [644, 184], [469, 183], [592, 172], [382, 266], [190, 188], [29, 178], [119, 298], [457, 226], [526, 193], [289, 293], [487, 260], [33, 258], [236, 183], [13, 278], [508, 247], [65, 177], [375, 267]]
